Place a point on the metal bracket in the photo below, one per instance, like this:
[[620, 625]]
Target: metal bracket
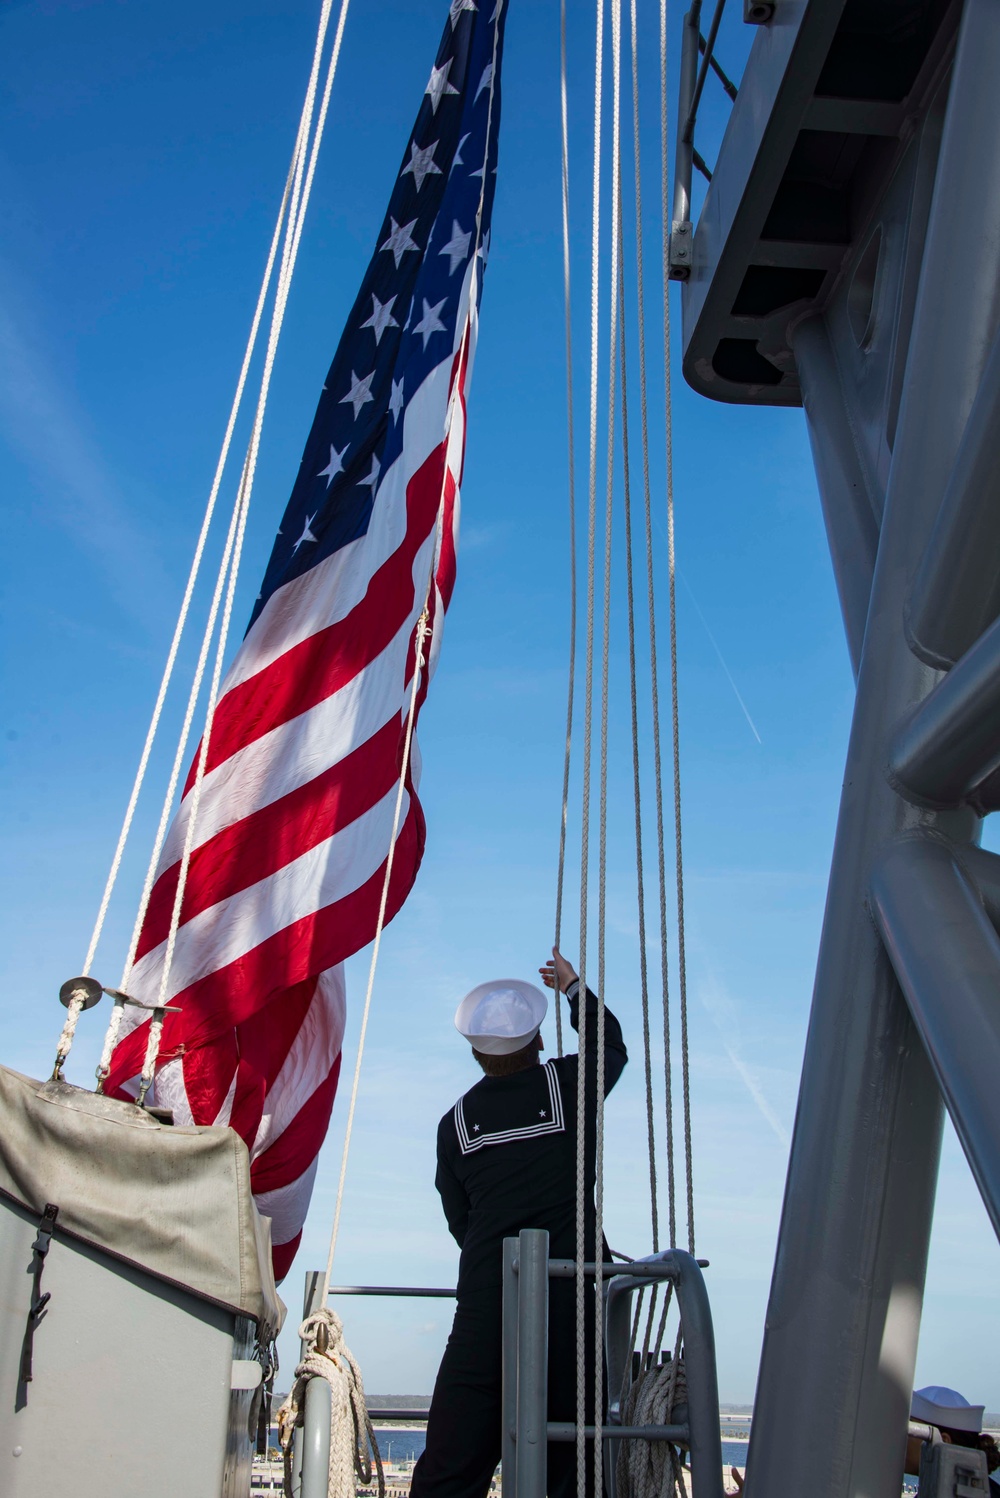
[[36, 1310], [681, 256]]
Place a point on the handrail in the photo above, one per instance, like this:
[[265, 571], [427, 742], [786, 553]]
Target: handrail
[[693, 76]]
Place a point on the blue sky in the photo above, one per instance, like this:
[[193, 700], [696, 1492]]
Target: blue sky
[[142, 154]]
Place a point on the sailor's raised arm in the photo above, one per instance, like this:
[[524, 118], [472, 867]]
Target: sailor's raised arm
[[561, 972]]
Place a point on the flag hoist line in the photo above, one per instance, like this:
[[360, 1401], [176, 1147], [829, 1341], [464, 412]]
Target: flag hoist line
[[617, 313], [290, 219]]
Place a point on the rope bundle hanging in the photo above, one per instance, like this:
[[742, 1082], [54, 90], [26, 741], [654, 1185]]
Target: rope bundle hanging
[[652, 1469], [354, 1453]]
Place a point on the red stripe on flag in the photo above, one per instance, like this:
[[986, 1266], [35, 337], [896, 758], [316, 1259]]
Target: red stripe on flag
[[319, 666], [296, 1147], [282, 1255], [233, 994], [266, 840]]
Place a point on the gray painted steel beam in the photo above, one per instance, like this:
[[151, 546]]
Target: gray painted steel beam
[[530, 1457], [946, 954], [844, 1311], [951, 743], [843, 492], [957, 591], [508, 1394]]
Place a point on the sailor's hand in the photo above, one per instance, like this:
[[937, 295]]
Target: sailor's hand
[[558, 972]]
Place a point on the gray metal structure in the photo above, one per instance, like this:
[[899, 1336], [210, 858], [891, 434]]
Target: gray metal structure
[[526, 1428], [847, 258]]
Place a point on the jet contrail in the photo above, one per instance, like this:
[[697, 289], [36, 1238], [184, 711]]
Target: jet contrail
[[722, 663]]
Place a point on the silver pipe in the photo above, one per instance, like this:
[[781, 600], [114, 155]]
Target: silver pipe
[[946, 954], [508, 1396], [957, 591], [950, 743], [532, 1362], [684, 152]]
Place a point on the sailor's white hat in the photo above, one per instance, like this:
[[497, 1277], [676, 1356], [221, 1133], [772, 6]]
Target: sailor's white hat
[[499, 1018], [937, 1405]]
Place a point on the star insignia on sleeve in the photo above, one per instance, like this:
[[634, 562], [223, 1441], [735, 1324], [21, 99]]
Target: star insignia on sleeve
[[475, 1128], [335, 465], [439, 85], [542, 1113], [431, 321], [359, 394], [421, 163], [400, 240], [457, 247], [381, 317]]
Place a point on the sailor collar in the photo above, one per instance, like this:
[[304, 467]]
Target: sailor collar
[[505, 1115]]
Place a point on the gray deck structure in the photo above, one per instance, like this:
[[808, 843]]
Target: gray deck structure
[[847, 258]]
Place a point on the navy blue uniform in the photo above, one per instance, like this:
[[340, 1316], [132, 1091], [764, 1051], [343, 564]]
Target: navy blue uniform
[[507, 1160]]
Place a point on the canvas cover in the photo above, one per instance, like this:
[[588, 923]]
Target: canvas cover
[[173, 1201]]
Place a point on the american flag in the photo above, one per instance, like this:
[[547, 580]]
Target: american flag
[[295, 820]]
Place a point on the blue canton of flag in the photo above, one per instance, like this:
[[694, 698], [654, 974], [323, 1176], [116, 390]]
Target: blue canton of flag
[[406, 312]]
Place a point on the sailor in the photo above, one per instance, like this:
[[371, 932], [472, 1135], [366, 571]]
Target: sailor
[[959, 1423], [506, 1160]]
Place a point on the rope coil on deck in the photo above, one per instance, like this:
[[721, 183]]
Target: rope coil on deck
[[652, 1469], [351, 1431]]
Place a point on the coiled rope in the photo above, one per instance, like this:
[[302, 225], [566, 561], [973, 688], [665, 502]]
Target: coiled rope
[[652, 1469], [353, 1446]]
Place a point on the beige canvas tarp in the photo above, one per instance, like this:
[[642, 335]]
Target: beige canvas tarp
[[174, 1201]]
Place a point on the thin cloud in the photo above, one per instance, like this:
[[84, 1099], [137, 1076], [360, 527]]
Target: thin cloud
[[44, 427], [724, 1016]]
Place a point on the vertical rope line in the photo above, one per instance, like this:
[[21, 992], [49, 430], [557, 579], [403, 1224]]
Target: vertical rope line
[[636, 781], [422, 631], [651, 610], [672, 575], [581, 1094], [605, 667], [301, 191], [296, 198], [185, 607], [571, 470], [418, 664]]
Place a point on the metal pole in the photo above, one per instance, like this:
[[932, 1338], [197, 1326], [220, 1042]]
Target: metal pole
[[946, 954], [844, 1311], [508, 1398], [843, 492], [307, 1442], [950, 744], [532, 1361], [680, 228], [957, 591]]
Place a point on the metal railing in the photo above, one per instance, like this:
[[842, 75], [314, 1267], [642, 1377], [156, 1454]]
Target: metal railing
[[693, 76], [527, 1429], [311, 1450]]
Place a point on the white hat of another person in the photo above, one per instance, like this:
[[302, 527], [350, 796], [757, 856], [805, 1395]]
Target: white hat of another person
[[937, 1405], [499, 1018]]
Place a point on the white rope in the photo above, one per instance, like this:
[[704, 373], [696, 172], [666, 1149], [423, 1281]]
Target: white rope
[[296, 198], [651, 1469], [636, 779], [672, 575], [572, 501], [603, 812], [418, 665], [581, 1094], [290, 194], [327, 1356], [64, 1044], [422, 632]]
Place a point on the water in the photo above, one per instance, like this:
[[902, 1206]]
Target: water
[[400, 1445]]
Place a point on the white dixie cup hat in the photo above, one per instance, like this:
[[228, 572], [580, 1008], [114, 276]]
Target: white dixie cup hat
[[937, 1405], [501, 1017]]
